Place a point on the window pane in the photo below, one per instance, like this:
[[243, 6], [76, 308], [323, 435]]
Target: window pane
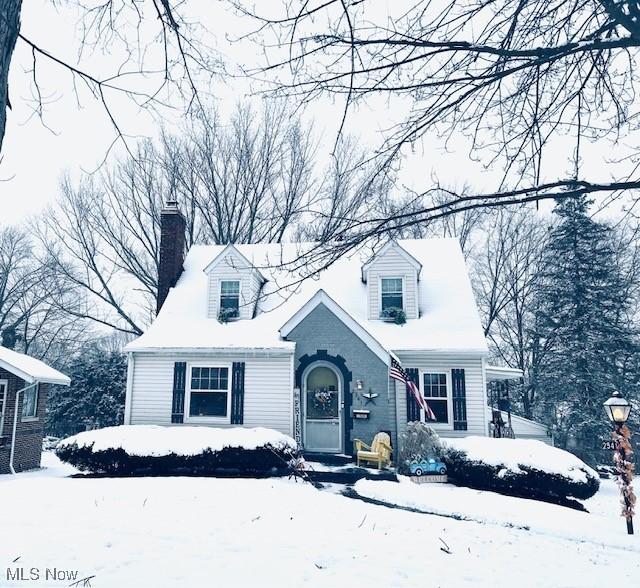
[[391, 285], [435, 392], [391, 301], [208, 404], [230, 288], [439, 408], [29, 402], [209, 378], [230, 298]]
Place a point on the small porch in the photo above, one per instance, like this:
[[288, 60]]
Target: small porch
[[502, 422]]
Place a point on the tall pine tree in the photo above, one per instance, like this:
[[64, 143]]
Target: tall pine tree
[[583, 322], [96, 396]]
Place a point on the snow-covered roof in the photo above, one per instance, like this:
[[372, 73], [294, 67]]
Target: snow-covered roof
[[497, 373], [30, 369], [448, 319]]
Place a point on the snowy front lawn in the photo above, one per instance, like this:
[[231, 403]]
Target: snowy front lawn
[[195, 532]]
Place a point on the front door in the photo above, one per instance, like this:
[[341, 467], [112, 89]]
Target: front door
[[322, 409]]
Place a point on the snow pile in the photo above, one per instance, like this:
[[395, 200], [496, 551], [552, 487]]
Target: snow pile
[[157, 441], [519, 467], [154, 450], [185, 531], [518, 455], [600, 525]]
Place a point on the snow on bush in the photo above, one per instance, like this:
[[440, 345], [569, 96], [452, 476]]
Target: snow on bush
[[157, 450], [417, 442], [519, 467]]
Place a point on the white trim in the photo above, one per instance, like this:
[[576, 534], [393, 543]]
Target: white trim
[[223, 254], [15, 426], [244, 351], [448, 426], [128, 398], [496, 373], [321, 297], [292, 385], [404, 294], [303, 405], [34, 416], [485, 396], [4, 396], [401, 250], [59, 379], [187, 397]]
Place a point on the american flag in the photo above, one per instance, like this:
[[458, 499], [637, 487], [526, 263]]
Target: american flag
[[397, 372]]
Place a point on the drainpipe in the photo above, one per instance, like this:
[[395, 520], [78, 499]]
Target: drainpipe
[[15, 424]]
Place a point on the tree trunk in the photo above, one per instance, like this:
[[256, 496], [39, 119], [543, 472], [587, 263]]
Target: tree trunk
[[9, 28]]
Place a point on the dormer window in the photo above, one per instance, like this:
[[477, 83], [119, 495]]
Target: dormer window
[[391, 295], [229, 299]]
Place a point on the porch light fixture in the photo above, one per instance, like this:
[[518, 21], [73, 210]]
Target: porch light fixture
[[359, 384], [618, 410]]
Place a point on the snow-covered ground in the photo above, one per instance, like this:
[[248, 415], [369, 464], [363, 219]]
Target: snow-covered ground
[[195, 532]]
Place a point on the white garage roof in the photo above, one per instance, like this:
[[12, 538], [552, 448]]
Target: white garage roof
[[30, 369]]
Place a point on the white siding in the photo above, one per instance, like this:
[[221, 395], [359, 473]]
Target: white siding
[[232, 267], [268, 394], [392, 264], [526, 429], [444, 363]]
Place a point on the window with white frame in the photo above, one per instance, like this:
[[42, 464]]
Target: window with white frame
[[391, 294], [3, 403], [30, 402], [435, 393], [209, 392], [230, 298]]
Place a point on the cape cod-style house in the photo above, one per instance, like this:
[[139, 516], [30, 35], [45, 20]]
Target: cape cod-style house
[[237, 343]]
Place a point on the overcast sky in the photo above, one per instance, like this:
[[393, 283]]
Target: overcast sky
[[75, 137]]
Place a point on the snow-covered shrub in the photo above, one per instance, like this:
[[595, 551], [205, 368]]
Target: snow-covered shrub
[[417, 442], [155, 450], [518, 467]]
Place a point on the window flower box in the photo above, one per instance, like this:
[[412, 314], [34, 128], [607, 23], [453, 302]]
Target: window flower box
[[394, 315]]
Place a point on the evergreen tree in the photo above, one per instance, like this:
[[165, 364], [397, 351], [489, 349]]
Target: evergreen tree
[[95, 397], [583, 324]]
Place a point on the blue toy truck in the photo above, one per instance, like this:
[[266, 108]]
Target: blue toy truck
[[427, 466]]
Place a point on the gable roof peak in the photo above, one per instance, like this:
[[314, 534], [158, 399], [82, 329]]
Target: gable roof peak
[[231, 248], [391, 244]]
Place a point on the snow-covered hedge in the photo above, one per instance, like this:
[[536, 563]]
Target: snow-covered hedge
[[156, 450], [519, 467]]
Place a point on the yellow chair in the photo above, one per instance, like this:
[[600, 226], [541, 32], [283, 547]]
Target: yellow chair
[[379, 452]]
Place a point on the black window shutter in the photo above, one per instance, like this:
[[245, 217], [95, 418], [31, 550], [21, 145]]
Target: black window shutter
[[237, 393], [179, 379], [459, 395], [413, 408]]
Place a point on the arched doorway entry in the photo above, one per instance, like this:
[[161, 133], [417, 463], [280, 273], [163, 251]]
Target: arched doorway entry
[[322, 406]]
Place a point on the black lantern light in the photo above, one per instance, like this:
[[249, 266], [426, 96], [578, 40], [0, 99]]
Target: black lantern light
[[617, 409]]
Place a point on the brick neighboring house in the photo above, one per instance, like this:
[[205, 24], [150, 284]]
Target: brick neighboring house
[[29, 379]]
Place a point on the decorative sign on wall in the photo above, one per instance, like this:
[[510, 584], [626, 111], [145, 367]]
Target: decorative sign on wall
[[297, 417]]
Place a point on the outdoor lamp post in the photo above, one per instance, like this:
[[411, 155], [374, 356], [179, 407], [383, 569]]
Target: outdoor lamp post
[[618, 409]]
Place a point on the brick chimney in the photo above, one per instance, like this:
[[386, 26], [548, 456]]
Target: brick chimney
[[172, 228]]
